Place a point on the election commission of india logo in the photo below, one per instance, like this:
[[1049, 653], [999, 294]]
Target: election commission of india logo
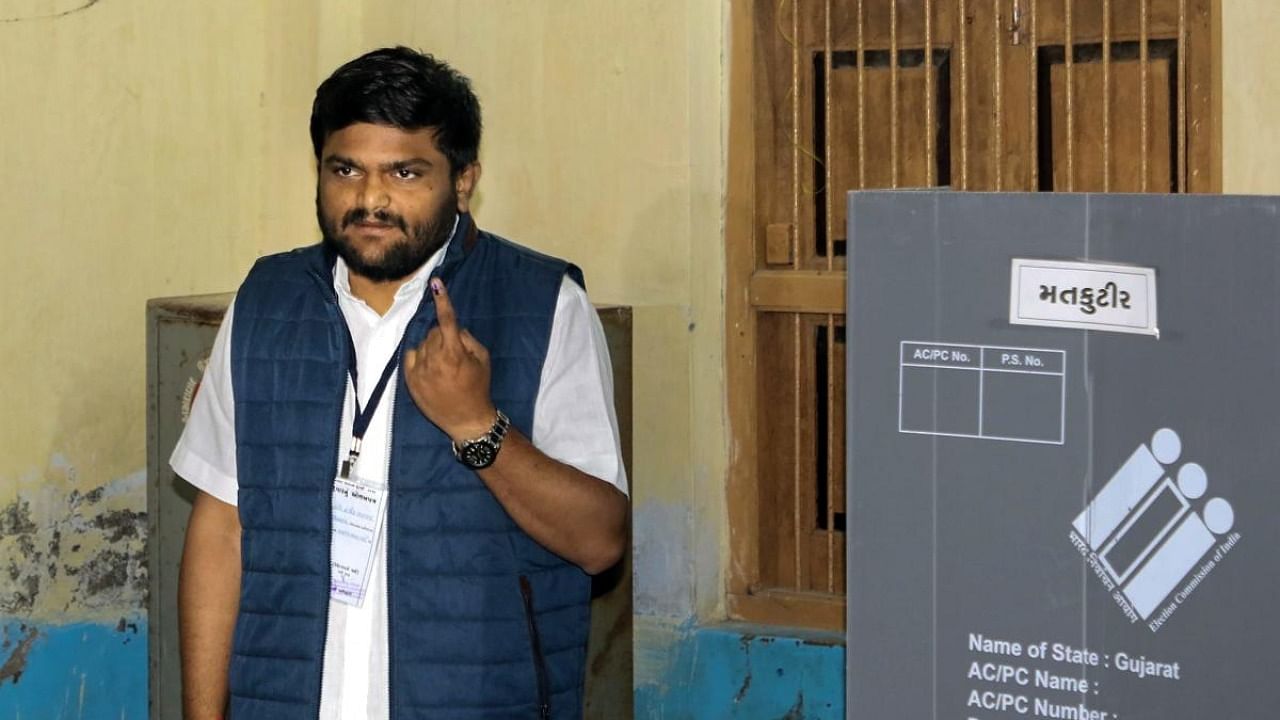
[[1150, 534]]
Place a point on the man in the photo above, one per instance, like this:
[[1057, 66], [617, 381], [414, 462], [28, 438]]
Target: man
[[405, 443]]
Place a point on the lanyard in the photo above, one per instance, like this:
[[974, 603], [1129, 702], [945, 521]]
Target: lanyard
[[364, 416]]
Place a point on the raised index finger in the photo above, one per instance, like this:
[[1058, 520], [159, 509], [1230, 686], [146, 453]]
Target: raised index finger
[[445, 316]]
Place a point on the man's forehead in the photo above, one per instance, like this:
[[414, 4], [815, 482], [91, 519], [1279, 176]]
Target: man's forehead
[[382, 142]]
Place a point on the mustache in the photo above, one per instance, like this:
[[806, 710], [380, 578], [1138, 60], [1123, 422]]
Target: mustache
[[384, 217]]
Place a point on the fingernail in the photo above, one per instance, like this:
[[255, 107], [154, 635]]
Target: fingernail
[[435, 286]]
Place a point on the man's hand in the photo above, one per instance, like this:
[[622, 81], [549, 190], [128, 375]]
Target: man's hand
[[579, 517], [448, 375]]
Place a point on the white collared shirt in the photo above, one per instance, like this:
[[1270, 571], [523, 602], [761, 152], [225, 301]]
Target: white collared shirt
[[574, 422]]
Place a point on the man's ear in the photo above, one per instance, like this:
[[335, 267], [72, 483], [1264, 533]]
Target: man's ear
[[465, 185]]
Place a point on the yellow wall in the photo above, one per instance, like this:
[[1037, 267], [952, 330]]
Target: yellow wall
[[150, 148], [1250, 97]]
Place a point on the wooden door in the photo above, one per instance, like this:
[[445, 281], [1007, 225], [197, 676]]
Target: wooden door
[[1034, 95]]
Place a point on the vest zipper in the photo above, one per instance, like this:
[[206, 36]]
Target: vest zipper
[[342, 418], [331, 296], [386, 534], [539, 661]]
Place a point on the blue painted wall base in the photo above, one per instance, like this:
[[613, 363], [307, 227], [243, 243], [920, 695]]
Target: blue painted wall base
[[737, 671], [73, 672]]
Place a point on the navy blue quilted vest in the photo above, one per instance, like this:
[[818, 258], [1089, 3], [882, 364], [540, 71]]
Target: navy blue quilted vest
[[483, 621]]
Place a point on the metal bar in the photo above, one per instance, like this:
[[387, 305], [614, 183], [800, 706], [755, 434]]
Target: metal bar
[[1068, 51], [1106, 95], [796, 453], [1182, 96], [961, 27], [831, 444], [828, 196], [1144, 70], [795, 213], [795, 135], [830, 264], [1033, 49], [930, 149], [893, 93], [862, 101], [997, 120]]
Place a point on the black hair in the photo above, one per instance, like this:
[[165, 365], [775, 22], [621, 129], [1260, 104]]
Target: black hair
[[402, 88]]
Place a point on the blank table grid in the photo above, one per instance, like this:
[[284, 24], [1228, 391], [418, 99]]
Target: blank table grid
[[987, 392]]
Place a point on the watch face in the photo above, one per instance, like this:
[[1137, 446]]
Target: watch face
[[479, 454]]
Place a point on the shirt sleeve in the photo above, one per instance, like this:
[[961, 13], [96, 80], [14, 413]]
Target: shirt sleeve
[[205, 455], [574, 420]]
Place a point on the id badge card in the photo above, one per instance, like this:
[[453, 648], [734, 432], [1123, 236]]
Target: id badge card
[[359, 508]]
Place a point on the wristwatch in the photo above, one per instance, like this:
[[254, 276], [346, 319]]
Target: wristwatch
[[480, 453]]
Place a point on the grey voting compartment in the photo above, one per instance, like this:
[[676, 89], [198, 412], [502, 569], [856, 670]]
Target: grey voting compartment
[[1062, 492]]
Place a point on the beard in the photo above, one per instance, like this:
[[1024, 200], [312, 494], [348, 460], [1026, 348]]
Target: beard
[[400, 258]]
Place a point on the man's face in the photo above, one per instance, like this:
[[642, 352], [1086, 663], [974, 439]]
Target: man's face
[[385, 199]]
